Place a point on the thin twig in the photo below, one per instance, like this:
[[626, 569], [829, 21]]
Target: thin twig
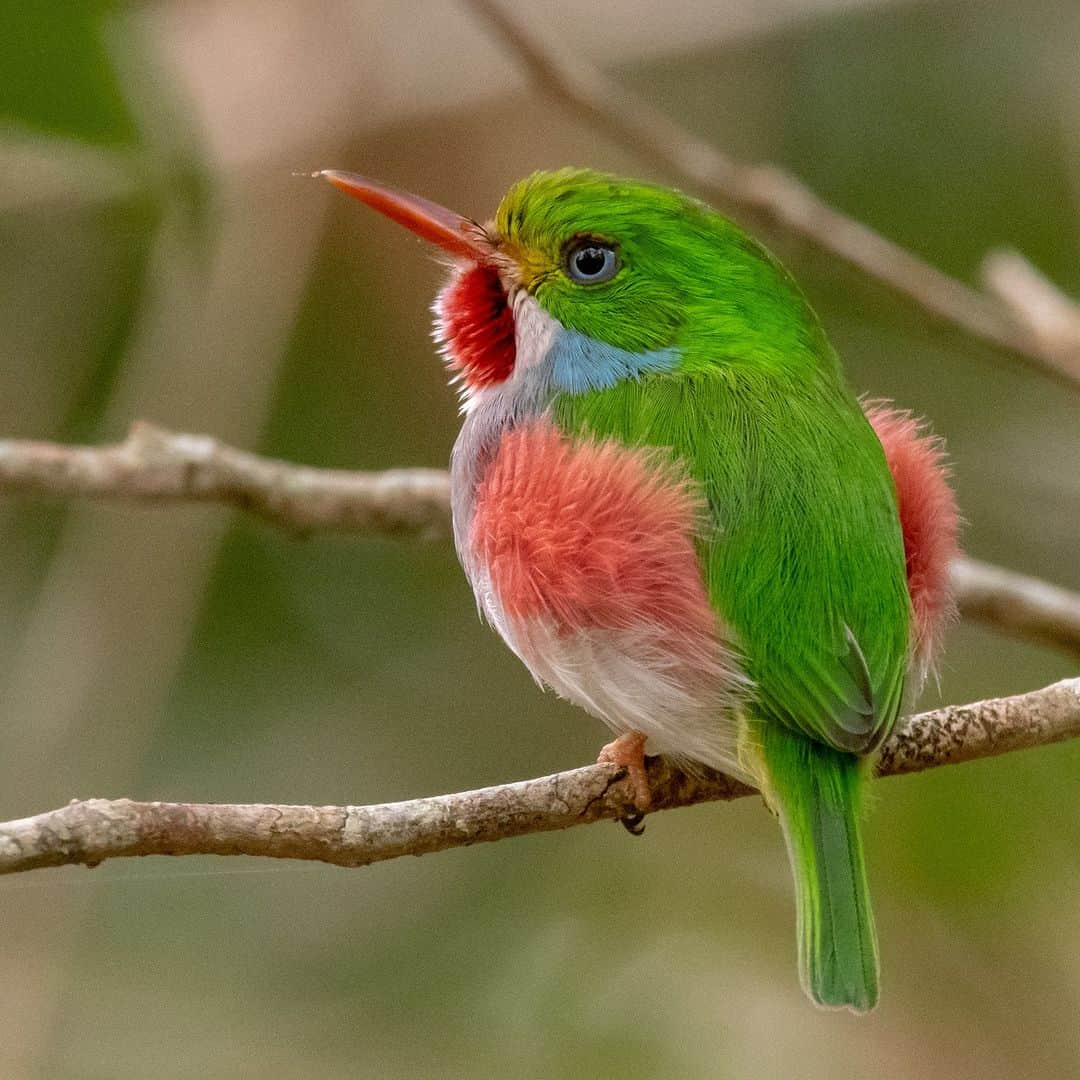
[[157, 466], [88, 832], [1050, 316], [1017, 604], [772, 195]]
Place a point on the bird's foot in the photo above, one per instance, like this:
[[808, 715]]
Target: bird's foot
[[628, 752]]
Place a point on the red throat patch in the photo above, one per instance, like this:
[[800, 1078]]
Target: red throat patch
[[475, 326]]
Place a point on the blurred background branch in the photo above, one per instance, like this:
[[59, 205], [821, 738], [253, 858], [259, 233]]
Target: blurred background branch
[[90, 831], [1018, 604], [777, 198], [158, 466]]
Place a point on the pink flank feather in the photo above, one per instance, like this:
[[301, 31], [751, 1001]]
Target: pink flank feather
[[928, 518], [590, 535], [584, 559]]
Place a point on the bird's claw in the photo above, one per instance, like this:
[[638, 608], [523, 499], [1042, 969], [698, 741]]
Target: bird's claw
[[628, 752]]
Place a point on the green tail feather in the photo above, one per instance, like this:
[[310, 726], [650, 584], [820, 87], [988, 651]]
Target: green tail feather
[[816, 791]]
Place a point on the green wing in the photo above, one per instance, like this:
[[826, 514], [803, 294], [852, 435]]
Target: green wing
[[804, 556]]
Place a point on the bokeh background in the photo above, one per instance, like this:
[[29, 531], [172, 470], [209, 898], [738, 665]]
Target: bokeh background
[[159, 260]]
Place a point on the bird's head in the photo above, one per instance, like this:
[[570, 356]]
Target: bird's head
[[589, 279]]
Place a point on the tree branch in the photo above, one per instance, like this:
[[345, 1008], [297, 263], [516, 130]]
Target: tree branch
[[776, 198], [90, 831], [1023, 606], [1050, 317], [157, 466]]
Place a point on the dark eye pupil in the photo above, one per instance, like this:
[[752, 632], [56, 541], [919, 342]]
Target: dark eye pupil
[[590, 261]]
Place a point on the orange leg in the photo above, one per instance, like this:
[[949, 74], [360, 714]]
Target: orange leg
[[628, 752]]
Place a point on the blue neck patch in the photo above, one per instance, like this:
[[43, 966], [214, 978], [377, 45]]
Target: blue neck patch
[[580, 363]]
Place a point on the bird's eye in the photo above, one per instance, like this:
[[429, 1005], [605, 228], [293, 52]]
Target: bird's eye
[[589, 262]]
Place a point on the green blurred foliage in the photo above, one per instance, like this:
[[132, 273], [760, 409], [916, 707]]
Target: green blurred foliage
[[58, 76], [331, 669]]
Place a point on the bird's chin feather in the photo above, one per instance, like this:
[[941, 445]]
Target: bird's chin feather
[[474, 327]]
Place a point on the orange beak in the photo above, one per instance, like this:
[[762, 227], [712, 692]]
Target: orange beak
[[458, 235]]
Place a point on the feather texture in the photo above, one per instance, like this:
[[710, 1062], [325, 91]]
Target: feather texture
[[585, 554], [818, 793], [929, 521], [474, 327]]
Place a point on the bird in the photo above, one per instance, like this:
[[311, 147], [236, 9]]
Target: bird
[[674, 510]]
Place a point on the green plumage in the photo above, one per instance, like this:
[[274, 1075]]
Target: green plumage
[[817, 793], [803, 558]]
